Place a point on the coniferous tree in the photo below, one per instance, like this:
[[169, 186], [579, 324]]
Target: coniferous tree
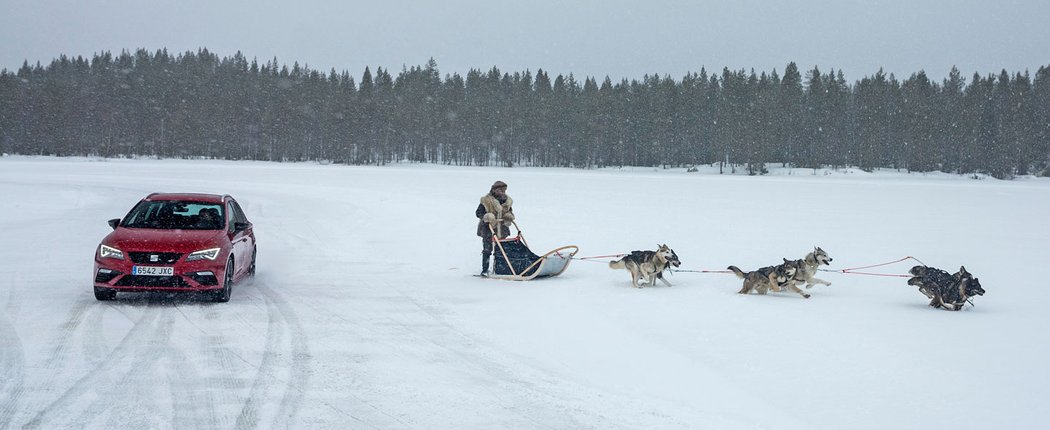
[[196, 104], [792, 112], [917, 110], [952, 133], [1041, 94]]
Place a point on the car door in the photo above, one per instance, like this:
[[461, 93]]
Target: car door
[[238, 239], [248, 234]]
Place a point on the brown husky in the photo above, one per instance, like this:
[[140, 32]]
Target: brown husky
[[769, 278]]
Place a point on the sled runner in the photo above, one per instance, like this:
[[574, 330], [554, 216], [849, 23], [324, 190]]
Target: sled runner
[[516, 262]]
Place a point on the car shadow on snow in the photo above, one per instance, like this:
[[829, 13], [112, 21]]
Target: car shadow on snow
[[163, 298]]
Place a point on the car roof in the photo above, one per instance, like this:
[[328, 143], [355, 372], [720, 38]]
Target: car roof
[[194, 197]]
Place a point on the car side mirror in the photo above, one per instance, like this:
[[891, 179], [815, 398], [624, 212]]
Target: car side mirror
[[114, 223], [241, 226]]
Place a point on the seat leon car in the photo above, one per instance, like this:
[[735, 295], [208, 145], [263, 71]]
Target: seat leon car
[[176, 242]]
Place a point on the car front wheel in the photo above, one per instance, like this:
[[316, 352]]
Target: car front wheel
[[223, 295], [251, 268]]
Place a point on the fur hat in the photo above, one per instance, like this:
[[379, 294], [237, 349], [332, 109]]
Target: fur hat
[[498, 184]]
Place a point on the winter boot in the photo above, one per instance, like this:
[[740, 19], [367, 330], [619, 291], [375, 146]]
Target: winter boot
[[484, 265]]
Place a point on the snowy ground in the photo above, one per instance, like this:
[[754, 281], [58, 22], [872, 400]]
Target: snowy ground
[[364, 313]]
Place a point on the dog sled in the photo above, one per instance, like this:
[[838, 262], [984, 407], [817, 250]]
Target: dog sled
[[514, 261]]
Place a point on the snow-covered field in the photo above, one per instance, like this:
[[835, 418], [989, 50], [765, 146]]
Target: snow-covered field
[[364, 313]]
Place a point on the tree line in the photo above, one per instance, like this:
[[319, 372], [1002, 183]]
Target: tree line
[[196, 104]]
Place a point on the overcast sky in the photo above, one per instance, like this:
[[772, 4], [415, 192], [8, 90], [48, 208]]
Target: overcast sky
[[618, 38]]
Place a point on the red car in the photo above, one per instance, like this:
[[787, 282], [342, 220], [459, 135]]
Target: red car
[[177, 242]]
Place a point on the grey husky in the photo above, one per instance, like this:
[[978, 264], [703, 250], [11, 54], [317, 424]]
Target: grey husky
[[807, 270], [945, 291], [768, 278], [648, 265], [810, 264]]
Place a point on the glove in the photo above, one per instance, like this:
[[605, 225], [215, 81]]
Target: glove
[[489, 218]]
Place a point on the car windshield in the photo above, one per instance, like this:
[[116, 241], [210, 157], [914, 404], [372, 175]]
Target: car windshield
[[173, 214]]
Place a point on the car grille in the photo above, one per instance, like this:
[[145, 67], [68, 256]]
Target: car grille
[[152, 281], [162, 257]]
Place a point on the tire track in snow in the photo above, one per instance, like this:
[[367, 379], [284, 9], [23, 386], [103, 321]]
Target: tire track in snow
[[220, 359], [471, 350], [12, 358], [297, 366], [193, 400], [142, 332], [60, 346], [57, 358], [137, 379], [362, 333], [509, 389]]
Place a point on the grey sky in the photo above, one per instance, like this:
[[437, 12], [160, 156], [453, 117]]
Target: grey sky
[[618, 38]]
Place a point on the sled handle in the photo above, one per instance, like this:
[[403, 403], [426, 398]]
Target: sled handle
[[522, 236], [495, 239]]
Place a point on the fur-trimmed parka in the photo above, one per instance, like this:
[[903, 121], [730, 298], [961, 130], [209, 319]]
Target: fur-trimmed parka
[[493, 212]]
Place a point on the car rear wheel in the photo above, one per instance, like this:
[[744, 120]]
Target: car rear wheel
[[251, 268], [223, 295], [105, 294]]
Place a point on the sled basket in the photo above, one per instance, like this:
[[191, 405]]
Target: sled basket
[[516, 262]]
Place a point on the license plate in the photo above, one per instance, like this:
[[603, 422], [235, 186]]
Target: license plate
[[152, 271]]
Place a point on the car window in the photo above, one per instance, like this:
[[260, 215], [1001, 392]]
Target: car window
[[238, 214], [173, 214], [232, 218]]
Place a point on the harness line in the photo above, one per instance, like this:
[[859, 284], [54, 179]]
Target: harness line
[[852, 270], [700, 271], [848, 271], [600, 256]]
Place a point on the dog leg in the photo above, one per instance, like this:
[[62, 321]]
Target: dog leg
[[816, 281], [744, 289], [773, 282], [797, 290]]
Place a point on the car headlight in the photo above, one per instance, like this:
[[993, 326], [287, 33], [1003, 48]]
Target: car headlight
[[110, 252], [204, 254]]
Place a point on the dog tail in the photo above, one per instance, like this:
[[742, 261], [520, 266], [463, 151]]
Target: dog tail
[[739, 273], [618, 264]]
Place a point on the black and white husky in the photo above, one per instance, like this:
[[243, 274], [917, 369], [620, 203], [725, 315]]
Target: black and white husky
[[648, 265], [946, 291]]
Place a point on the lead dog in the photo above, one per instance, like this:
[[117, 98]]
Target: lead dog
[[648, 265], [945, 291]]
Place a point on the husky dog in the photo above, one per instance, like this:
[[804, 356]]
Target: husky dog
[[648, 265], [945, 291], [770, 278], [808, 271]]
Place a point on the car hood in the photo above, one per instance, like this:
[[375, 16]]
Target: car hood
[[159, 240]]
